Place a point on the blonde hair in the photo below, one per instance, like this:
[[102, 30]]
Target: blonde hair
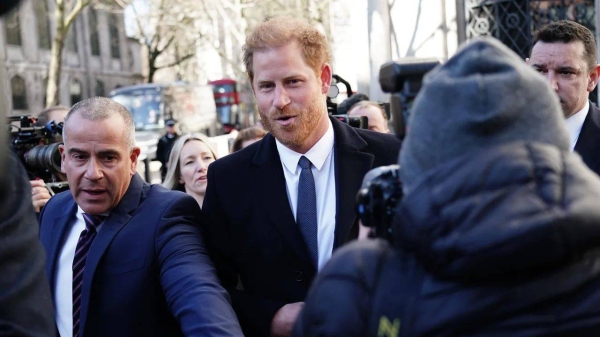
[[174, 172], [366, 104], [280, 31]]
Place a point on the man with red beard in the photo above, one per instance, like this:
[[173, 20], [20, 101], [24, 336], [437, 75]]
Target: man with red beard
[[276, 210]]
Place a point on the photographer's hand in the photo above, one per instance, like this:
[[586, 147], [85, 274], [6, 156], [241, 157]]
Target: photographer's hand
[[285, 318], [39, 194]]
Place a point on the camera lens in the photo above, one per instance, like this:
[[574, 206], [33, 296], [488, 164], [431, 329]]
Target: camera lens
[[45, 157]]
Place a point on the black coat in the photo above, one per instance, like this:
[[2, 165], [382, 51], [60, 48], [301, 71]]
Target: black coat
[[588, 143], [505, 243], [163, 148], [25, 299], [251, 229]]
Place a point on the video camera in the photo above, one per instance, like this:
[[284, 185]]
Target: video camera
[[37, 149], [381, 191], [361, 122]]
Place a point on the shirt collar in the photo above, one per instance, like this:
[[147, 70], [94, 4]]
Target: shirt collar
[[575, 123], [80, 213], [317, 154]]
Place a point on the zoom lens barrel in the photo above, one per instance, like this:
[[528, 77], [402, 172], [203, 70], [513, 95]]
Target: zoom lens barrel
[[45, 157]]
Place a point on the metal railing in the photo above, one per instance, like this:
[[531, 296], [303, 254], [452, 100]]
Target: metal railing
[[514, 21]]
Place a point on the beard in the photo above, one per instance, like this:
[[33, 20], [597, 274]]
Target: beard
[[295, 134]]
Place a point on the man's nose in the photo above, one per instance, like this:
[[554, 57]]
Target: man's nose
[[551, 77], [93, 171], [281, 98]]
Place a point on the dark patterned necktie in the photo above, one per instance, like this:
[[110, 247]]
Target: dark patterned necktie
[[83, 246], [306, 213]]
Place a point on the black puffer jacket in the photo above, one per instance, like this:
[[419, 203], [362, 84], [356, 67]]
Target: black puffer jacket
[[502, 243]]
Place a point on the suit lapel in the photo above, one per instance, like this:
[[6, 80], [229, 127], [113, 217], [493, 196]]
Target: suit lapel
[[117, 218], [351, 165], [53, 242], [588, 143], [270, 180]]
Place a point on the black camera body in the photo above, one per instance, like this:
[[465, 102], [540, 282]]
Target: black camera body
[[360, 122], [377, 199], [37, 149], [381, 191]]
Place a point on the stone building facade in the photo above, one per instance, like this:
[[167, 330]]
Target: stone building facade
[[97, 58]]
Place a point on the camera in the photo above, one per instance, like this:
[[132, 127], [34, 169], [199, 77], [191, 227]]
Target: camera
[[361, 122], [381, 191], [403, 79], [377, 199], [37, 148]]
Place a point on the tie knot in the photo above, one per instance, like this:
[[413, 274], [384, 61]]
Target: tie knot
[[92, 221], [304, 163]]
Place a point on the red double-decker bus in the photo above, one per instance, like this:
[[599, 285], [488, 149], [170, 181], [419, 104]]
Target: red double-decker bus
[[226, 100]]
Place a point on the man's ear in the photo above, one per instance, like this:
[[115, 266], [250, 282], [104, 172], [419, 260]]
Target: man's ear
[[593, 78], [134, 155], [325, 78], [61, 150]]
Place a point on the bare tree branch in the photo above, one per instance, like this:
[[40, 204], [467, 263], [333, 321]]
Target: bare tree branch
[[176, 62], [139, 23], [169, 42], [77, 8]]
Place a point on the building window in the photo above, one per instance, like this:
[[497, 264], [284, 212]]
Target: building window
[[113, 26], [71, 38], [99, 88], [19, 93], [13, 27], [45, 90], [75, 91], [94, 36], [43, 26]]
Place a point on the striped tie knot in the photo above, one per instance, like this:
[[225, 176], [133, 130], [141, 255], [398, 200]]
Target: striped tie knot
[[93, 221]]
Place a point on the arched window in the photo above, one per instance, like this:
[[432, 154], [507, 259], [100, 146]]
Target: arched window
[[19, 93], [75, 91], [94, 36], [113, 28], [13, 27], [43, 26], [99, 88]]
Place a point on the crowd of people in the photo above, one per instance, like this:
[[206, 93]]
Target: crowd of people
[[495, 233]]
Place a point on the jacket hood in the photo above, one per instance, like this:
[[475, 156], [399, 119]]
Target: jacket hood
[[508, 210], [485, 95]]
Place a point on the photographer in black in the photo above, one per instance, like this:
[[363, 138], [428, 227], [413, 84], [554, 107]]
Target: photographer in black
[[498, 229], [25, 299]]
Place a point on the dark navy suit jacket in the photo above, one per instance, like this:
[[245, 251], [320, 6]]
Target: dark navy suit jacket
[[588, 143], [251, 229], [147, 272]]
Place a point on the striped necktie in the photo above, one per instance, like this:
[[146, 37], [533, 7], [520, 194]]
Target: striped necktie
[[83, 245]]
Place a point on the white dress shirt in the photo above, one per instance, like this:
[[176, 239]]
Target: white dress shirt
[[63, 290], [575, 123], [323, 170]]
